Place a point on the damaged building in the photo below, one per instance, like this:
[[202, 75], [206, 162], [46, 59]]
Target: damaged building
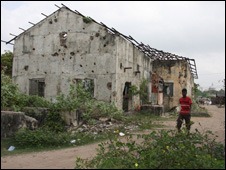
[[67, 47], [177, 73]]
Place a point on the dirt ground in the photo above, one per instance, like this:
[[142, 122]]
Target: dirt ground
[[65, 158]]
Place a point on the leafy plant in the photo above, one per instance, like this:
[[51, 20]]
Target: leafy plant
[[87, 20], [7, 62], [10, 94], [41, 137], [143, 91], [158, 150]]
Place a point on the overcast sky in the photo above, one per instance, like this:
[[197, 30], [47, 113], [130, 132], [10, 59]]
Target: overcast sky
[[193, 29]]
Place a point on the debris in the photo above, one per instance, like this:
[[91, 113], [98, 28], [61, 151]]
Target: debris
[[73, 141], [11, 148], [121, 134], [116, 131]]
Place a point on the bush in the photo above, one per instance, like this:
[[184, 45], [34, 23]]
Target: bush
[[9, 92], [13, 99], [159, 150], [41, 137]]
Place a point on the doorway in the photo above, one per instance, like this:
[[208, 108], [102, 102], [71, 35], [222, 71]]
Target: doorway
[[127, 98]]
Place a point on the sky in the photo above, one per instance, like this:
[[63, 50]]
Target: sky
[[192, 29]]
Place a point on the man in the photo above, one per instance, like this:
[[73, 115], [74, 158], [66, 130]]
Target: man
[[185, 111]]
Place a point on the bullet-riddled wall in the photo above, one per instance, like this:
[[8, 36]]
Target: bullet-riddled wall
[[66, 47], [132, 66], [176, 75]]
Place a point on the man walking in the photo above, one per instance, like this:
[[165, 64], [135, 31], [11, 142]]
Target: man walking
[[185, 111]]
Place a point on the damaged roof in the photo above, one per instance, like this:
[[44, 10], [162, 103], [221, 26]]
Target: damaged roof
[[153, 53]]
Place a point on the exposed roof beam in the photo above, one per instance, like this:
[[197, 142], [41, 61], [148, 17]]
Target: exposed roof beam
[[31, 23], [6, 42], [12, 34], [22, 29], [44, 15], [57, 6]]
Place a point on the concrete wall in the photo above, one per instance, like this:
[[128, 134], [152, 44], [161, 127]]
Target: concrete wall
[[130, 57], [178, 73], [11, 122], [63, 48]]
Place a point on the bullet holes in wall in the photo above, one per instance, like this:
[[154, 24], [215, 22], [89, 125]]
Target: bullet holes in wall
[[72, 53], [55, 54], [26, 67], [109, 85]]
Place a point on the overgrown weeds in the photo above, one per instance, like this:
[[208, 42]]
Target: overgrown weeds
[[159, 150]]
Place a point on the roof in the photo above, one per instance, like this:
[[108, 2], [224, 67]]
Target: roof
[[150, 52]]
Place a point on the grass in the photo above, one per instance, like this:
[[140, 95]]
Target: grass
[[142, 120], [85, 138]]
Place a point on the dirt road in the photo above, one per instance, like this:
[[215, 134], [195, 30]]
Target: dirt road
[[215, 123], [65, 158]]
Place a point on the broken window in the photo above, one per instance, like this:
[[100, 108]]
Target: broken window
[[168, 89], [88, 85], [63, 38], [37, 87]]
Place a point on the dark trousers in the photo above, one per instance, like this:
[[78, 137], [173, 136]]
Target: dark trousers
[[187, 119]]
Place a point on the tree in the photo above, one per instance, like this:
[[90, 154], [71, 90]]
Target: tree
[[7, 61], [196, 91]]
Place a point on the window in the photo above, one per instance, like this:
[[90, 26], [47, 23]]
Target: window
[[88, 85], [168, 89], [37, 87]]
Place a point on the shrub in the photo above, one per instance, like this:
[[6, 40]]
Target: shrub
[[41, 137], [9, 92], [159, 150]]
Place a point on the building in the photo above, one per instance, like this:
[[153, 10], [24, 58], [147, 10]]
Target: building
[[67, 47], [177, 73]]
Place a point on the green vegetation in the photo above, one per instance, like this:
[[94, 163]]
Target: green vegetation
[[142, 91], [7, 62], [159, 150], [87, 20]]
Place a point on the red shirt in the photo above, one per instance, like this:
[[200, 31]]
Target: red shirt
[[185, 103]]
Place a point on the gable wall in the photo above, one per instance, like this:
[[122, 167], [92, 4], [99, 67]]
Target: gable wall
[[88, 51]]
